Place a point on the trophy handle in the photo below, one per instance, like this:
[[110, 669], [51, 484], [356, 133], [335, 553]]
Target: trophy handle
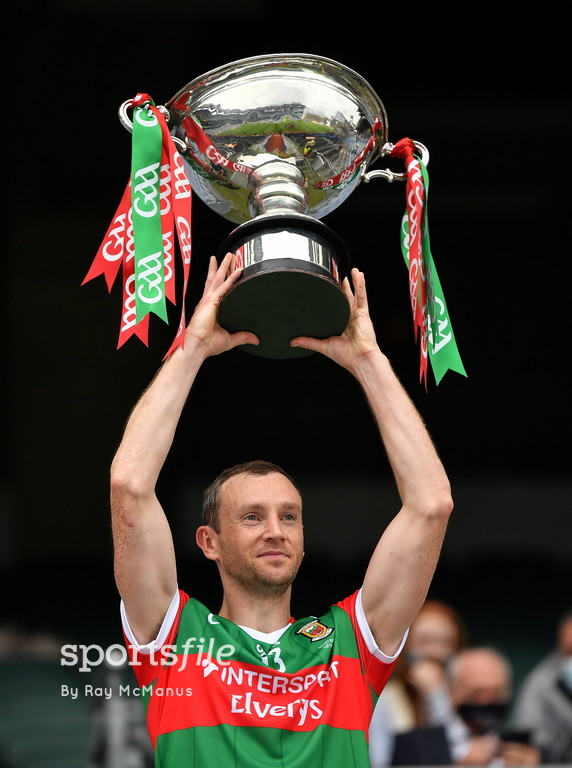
[[128, 124], [386, 173]]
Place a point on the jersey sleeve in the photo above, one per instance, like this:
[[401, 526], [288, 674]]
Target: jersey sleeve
[[148, 659], [376, 664]]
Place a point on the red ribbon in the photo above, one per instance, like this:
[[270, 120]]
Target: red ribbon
[[179, 198], [415, 198]]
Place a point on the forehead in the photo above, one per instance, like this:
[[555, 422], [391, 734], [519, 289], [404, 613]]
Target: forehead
[[248, 489], [484, 672], [434, 624]]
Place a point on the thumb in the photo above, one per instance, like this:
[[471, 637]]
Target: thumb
[[307, 342], [242, 337]]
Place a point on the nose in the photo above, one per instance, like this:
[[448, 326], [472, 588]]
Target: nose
[[273, 528]]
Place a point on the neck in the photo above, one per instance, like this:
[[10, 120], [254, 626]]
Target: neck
[[264, 613]]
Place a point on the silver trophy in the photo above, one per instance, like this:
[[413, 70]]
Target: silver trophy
[[274, 143]]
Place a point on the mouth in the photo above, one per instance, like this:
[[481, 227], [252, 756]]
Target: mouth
[[273, 554]]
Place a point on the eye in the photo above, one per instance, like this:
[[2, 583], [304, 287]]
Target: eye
[[290, 517], [251, 517]]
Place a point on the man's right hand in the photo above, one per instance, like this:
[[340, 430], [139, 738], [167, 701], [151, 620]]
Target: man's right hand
[[203, 327]]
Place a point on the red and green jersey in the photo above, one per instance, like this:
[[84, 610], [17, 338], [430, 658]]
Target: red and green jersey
[[216, 695]]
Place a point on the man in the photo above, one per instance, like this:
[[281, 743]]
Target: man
[[248, 686], [544, 704], [481, 687]]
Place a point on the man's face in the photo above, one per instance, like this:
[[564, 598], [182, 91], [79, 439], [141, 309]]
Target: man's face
[[260, 543], [482, 679], [481, 691]]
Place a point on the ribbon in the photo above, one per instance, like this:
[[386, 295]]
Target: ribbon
[[140, 239], [432, 324]]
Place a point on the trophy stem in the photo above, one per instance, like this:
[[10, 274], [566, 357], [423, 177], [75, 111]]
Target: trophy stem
[[277, 187]]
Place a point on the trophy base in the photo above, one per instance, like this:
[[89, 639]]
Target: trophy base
[[283, 301], [292, 267]]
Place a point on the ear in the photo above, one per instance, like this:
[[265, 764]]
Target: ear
[[207, 540]]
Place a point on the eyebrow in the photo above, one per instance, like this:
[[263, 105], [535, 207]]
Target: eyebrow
[[255, 506]]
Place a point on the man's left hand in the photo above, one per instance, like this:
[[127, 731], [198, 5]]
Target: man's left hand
[[358, 340]]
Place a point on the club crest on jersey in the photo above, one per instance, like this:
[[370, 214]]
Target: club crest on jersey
[[315, 630]]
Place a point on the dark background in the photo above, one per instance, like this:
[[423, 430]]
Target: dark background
[[487, 95]]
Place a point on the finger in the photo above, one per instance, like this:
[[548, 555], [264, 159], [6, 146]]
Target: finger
[[243, 337], [219, 271], [213, 266], [307, 342], [360, 289], [227, 284], [222, 271], [349, 294]]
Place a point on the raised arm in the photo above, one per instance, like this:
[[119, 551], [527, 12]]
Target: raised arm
[[144, 560], [403, 563]]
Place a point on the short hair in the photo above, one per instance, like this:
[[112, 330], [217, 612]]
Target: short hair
[[444, 609], [211, 495]]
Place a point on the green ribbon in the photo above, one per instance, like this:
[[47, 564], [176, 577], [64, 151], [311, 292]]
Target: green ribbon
[[441, 345], [146, 214]]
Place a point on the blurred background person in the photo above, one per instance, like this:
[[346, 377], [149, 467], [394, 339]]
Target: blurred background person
[[409, 725], [544, 703], [481, 690]]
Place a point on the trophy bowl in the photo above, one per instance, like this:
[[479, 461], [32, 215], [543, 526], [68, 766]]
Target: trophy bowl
[[273, 144]]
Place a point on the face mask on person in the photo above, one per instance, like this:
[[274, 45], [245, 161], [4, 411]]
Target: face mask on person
[[483, 718]]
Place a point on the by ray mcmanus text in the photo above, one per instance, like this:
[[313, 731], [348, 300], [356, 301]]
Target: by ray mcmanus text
[[106, 692]]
